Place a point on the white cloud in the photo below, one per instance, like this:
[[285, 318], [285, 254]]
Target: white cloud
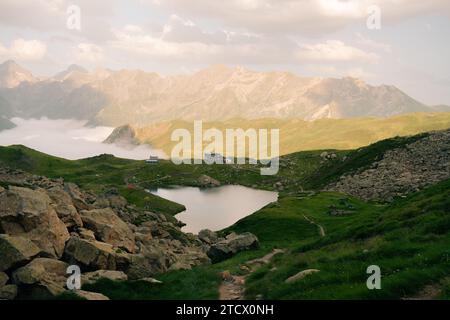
[[333, 50], [133, 28], [24, 50], [306, 17], [373, 44], [89, 52], [360, 73], [54, 136]]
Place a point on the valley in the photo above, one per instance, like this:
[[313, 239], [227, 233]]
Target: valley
[[406, 235]]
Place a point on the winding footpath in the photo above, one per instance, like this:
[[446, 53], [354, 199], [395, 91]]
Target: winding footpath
[[233, 286], [321, 229]]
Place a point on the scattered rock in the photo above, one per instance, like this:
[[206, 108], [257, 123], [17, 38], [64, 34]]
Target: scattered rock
[[401, 171], [233, 244], [94, 296], [78, 199], [301, 275], [92, 277], [3, 279], [42, 277], [91, 255], [104, 241], [150, 280], [16, 251], [109, 228], [207, 181], [86, 234], [28, 213], [207, 236], [8, 292], [66, 211]]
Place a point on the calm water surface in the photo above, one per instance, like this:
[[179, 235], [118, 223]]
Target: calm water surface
[[216, 208]]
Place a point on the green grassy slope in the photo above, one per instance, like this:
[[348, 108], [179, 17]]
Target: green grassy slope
[[408, 239], [298, 135]]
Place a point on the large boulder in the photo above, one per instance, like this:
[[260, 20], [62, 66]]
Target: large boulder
[[109, 228], [207, 236], [86, 295], [147, 264], [8, 292], [62, 202], [42, 278], [301, 275], [3, 279], [207, 181], [16, 251], [94, 255], [92, 277], [29, 213], [78, 198], [233, 244]]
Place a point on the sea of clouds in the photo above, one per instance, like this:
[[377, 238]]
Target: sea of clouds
[[70, 139]]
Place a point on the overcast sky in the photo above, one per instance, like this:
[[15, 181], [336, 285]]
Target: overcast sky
[[326, 38]]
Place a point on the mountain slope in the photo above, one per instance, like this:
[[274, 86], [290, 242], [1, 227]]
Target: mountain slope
[[297, 135], [11, 75], [214, 94]]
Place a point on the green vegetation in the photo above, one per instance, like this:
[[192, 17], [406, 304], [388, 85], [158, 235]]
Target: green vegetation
[[298, 135], [408, 238]]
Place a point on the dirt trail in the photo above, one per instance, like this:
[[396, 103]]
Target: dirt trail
[[233, 287], [321, 229]]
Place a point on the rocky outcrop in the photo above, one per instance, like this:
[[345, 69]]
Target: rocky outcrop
[[16, 251], [29, 214], [62, 203], [42, 278], [109, 228], [207, 236], [93, 255], [92, 277], [401, 170], [3, 279], [8, 292], [208, 182], [301, 275], [86, 295], [46, 225], [224, 248]]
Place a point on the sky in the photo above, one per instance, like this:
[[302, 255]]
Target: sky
[[409, 48]]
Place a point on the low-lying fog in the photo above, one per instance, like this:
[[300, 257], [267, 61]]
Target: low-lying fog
[[70, 139]]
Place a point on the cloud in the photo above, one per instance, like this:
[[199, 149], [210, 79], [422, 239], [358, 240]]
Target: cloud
[[24, 50], [305, 17], [51, 16], [333, 50], [373, 44], [69, 139], [89, 52]]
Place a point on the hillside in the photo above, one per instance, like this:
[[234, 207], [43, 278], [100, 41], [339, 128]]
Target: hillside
[[298, 135], [116, 98], [11, 75], [335, 233]]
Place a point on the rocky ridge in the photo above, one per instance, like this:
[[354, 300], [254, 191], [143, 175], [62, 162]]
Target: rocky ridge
[[401, 170], [46, 225]]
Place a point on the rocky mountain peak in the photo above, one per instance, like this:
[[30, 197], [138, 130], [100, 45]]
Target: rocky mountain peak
[[12, 74]]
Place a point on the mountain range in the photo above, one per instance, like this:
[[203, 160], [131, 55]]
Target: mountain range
[[218, 93]]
